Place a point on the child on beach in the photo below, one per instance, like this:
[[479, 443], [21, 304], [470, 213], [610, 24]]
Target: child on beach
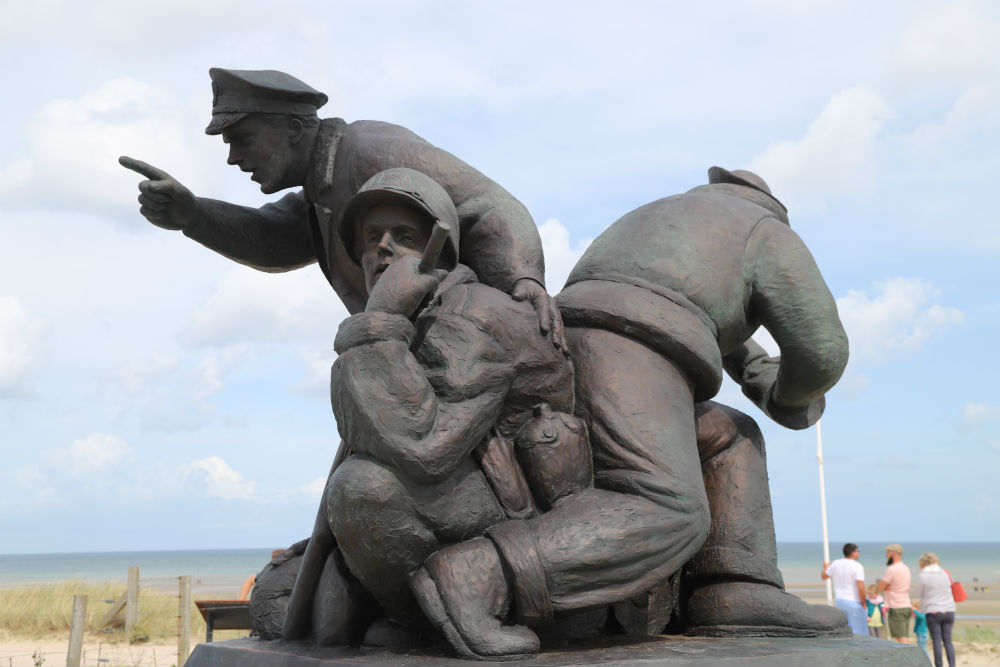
[[919, 625], [876, 611]]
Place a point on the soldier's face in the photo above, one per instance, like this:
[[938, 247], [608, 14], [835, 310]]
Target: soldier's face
[[257, 147], [388, 232]]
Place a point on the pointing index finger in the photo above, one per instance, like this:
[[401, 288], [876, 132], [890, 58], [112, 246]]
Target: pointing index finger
[[147, 170]]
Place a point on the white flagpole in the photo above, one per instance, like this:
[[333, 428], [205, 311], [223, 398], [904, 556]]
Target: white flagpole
[[822, 509]]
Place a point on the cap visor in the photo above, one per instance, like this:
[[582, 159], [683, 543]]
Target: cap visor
[[221, 121]]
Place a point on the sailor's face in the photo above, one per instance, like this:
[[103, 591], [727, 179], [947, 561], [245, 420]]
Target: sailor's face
[[388, 232], [262, 150]]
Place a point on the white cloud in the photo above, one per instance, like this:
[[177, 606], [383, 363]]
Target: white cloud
[[74, 146], [135, 377], [211, 370], [94, 455], [314, 489], [836, 157], [35, 485], [898, 317], [980, 413], [17, 15], [123, 19], [184, 402], [249, 305], [976, 108], [19, 332], [560, 255], [219, 480], [952, 41], [317, 360]]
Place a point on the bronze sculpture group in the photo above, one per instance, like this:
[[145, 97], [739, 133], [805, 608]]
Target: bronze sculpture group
[[500, 477]]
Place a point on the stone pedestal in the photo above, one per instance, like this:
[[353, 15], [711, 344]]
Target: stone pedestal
[[668, 651]]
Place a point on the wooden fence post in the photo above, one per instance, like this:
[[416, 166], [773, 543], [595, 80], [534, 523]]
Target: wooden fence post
[[184, 620], [132, 604], [76, 631]]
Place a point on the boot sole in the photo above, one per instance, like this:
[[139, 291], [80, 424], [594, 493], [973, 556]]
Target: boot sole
[[762, 631], [429, 598]]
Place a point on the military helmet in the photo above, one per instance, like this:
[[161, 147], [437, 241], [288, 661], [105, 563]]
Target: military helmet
[[407, 187]]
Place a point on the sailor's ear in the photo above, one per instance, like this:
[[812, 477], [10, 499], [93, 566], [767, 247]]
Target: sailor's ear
[[296, 130]]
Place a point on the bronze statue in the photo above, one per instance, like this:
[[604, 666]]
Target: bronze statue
[[495, 485]]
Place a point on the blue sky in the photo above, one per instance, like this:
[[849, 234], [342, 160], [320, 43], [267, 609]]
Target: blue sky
[[154, 395]]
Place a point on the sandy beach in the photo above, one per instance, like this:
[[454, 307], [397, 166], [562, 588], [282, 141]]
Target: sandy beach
[[100, 650], [18, 651]]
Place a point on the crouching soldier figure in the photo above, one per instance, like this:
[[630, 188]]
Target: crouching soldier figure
[[658, 306], [433, 383]]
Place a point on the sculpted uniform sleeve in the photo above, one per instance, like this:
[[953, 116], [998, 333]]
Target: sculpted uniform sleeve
[[499, 239], [790, 299], [273, 238], [421, 416]]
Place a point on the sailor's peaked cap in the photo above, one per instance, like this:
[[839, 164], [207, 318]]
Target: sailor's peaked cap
[[236, 93]]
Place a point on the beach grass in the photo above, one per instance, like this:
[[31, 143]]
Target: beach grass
[[977, 634], [45, 610]]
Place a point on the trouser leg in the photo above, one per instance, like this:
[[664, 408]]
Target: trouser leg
[[934, 629], [741, 542], [855, 613], [947, 625], [648, 513], [386, 527]]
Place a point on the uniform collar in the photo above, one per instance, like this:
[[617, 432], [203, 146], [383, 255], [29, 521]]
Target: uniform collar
[[320, 176], [460, 275], [754, 195]]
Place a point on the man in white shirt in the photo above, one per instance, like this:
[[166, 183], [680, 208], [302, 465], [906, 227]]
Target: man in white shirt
[[849, 587]]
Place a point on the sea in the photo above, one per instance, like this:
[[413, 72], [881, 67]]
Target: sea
[[221, 571], [975, 564]]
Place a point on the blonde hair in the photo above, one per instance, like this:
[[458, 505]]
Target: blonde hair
[[928, 559]]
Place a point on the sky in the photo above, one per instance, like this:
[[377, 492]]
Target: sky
[[155, 395]]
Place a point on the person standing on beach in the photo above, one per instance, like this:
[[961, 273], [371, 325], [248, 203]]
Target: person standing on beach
[[919, 625], [849, 587], [934, 589], [895, 582], [875, 612]]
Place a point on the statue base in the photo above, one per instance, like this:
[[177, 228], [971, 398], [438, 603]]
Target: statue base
[[666, 651]]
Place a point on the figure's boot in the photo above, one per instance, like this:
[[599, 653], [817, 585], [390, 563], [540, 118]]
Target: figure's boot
[[342, 608], [733, 585], [745, 609], [464, 593], [393, 633]]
